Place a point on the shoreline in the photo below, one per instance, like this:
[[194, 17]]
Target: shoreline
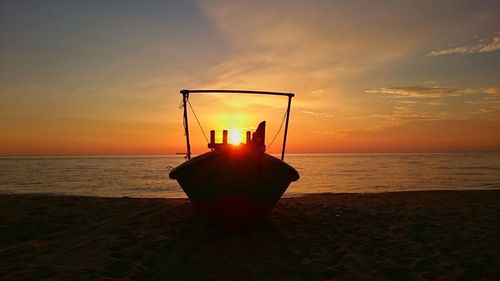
[[285, 196], [390, 235]]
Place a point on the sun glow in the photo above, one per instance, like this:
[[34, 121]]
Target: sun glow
[[234, 137]]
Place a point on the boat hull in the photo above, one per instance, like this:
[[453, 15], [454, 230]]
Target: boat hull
[[234, 186]]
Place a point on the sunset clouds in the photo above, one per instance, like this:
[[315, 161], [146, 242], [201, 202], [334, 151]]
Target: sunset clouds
[[484, 44], [434, 91], [434, 103], [103, 77]]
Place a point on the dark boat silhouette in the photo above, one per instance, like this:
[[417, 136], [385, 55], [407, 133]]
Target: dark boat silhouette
[[235, 184]]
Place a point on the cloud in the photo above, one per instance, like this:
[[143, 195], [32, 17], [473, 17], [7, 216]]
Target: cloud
[[318, 114], [321, 50], [484, 44], [432, 92], [300, 44], [433, 103], [317, 92]]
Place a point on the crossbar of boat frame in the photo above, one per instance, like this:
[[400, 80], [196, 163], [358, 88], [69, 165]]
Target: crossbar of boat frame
[[185, 96]]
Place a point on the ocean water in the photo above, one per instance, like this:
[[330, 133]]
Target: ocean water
[[147, 176]]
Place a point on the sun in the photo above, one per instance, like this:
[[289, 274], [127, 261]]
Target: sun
[[234, 137]]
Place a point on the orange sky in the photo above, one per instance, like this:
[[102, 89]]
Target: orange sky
[[104, 79]]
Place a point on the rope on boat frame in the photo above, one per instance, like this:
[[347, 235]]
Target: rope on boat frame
[[279, 130], [199, 124]]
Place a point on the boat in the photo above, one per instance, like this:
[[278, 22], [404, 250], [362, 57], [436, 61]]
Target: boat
[[234, 184]]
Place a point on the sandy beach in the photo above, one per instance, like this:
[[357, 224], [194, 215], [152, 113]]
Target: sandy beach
[[431, 235]]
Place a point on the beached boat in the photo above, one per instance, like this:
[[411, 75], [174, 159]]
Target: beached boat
[[235, 184]]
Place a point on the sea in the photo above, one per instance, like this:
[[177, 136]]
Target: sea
[[147, 176]]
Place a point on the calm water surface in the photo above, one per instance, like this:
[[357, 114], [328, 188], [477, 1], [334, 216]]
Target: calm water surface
[[147, 176]]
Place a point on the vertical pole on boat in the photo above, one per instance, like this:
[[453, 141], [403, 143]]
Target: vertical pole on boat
[[185, 96], [286, 127], [212, 136], [249, 137], [224, 137]]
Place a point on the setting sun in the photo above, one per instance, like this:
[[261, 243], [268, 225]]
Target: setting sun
[[234, 136]]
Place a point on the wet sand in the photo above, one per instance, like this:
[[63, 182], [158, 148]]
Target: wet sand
[[432, 235]]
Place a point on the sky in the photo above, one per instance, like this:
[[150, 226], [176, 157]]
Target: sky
[[103, 77]]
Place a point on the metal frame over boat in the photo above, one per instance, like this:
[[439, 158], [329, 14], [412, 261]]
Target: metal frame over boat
[[234, 184]]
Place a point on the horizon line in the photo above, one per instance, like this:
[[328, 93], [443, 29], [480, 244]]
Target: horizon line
[[290, 153]]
